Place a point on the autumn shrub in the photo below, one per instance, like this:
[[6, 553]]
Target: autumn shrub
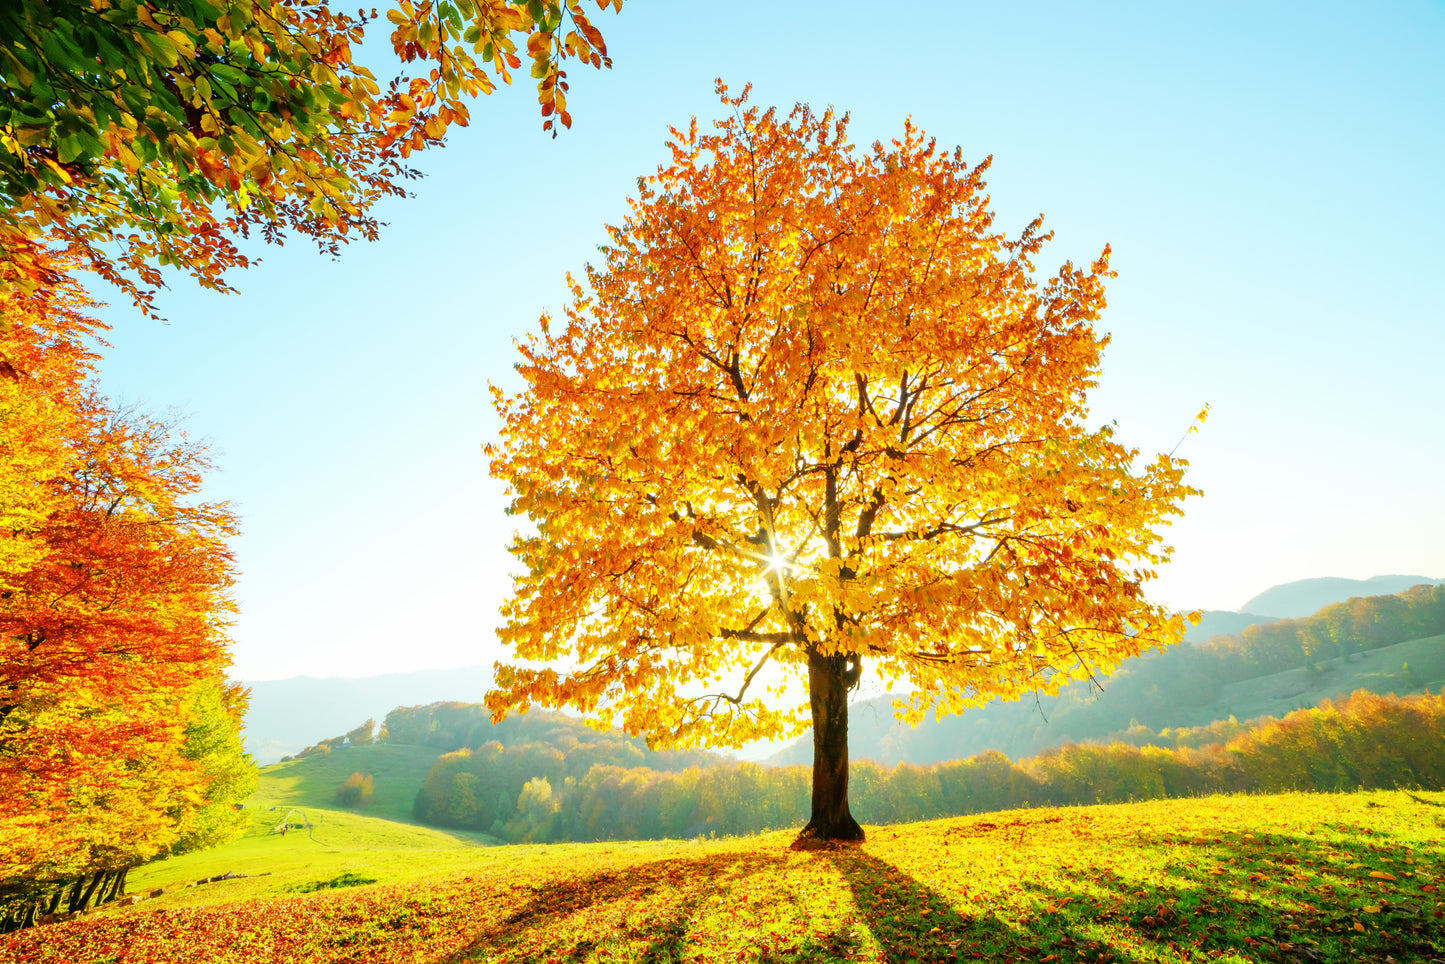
[[355, 790]]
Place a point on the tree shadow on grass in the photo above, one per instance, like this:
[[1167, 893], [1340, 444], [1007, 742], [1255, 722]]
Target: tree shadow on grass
[[650, 907], [912, 921], [1284, 898], [1266, 897], [1279, 896]]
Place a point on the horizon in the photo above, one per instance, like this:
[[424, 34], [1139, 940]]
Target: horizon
[[459, 666]]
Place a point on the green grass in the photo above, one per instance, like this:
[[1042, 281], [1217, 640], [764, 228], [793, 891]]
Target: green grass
[[312, 781], [373, 842], [1288, 878]]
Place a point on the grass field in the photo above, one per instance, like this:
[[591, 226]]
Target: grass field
[[399, 772], [371, 843], [1290, 878]]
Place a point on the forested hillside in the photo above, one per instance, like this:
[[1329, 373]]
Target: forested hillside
[[458, 726], [287, 714], [534, 793], [510, 779], [1379, 643]]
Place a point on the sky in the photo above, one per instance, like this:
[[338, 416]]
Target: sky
[[1269, 176]]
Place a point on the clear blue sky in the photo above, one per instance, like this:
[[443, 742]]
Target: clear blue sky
[[1270, 177]]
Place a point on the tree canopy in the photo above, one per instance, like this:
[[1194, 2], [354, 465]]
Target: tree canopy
[[813, 409], [171, 129]]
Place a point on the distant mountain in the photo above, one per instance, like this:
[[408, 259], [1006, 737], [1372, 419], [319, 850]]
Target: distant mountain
[[287, 715], [1308, 596]]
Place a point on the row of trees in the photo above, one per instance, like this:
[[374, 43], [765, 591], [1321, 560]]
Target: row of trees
[[118, 732], [1182, 687], [452, 726], [361, 736], [1353, 626], [531, 793]]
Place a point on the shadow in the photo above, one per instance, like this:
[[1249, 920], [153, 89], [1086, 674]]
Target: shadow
[[1283, 896], [650, 906], [912, 921], [1275, 897]]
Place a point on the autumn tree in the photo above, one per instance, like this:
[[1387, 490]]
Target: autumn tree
[[813, 410], [362, 735], [118, 737], [175, 128]]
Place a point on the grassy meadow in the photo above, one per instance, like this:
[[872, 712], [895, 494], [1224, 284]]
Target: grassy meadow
[[1293, 877], [376, 842], [312, 781]]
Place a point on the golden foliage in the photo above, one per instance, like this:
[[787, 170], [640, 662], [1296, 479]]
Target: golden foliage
[[813, 402], [114, 600]]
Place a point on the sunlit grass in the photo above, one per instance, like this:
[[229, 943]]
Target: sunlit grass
[[311, 781], [1295, 877]]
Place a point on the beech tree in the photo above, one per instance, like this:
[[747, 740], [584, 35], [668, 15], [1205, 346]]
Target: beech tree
[[173, 128], [813, 410]]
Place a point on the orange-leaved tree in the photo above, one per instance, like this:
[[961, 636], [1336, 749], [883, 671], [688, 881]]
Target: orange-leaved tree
[[116, 730], [814, 410]]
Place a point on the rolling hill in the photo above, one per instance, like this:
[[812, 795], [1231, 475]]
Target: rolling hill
[[1023, 728], [1348, 877], [288, 714]]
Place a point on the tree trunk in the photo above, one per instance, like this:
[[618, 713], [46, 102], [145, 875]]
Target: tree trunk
[[73, 901], [55, 900], [95, 882], [828, 681], [116, 889]]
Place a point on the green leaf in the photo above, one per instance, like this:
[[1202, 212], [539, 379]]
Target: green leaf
[[135, 97], [69, 148]]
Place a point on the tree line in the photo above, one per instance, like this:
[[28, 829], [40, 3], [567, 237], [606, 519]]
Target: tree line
[[536, 792], [452, 726], [1183, 686], [1342, 629]]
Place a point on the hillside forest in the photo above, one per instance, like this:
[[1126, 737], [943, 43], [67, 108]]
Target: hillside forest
[[544, 777]]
